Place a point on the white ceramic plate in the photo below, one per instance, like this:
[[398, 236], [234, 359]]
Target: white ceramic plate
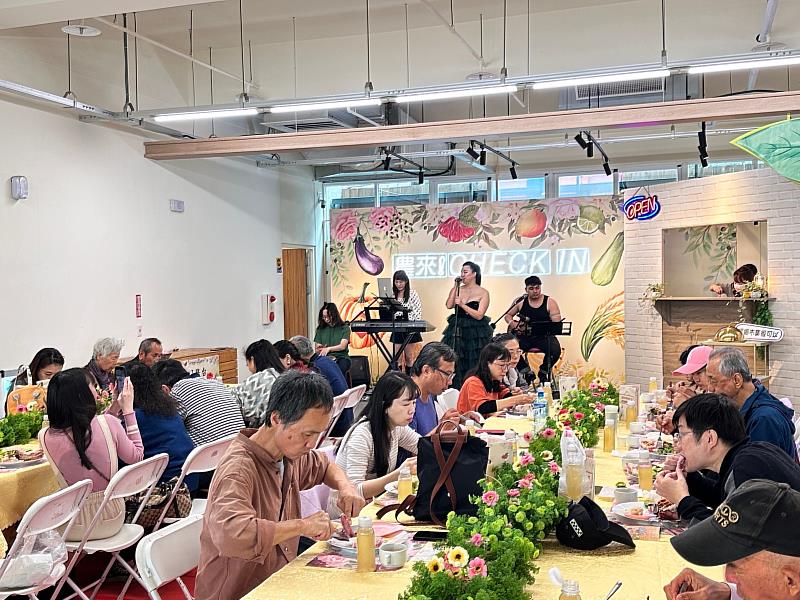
[[623, 511]]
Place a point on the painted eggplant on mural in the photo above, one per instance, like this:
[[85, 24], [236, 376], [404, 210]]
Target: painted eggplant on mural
[[370, 263], [606, 266]]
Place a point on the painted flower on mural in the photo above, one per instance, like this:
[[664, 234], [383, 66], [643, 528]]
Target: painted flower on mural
[[454, 230], [344, 225], [383, 218], [566, 208]]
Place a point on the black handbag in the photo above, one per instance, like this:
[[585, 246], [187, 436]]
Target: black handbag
[[450, 463]]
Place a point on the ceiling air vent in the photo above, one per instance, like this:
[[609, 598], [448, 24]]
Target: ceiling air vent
[[619, 89]]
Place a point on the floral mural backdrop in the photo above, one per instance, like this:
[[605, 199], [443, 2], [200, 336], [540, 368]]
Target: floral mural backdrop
[[574, 244]]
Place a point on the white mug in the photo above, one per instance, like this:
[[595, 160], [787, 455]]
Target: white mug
[[393, 556], [636, 427], [622, 495]]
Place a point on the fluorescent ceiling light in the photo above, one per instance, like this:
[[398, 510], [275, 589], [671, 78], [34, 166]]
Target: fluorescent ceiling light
[[286, 108], [611, 78], [463, 93], [764, 63], [206, 114]]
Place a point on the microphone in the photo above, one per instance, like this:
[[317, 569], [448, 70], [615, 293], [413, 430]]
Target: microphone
[[520, 299], [458, 280]]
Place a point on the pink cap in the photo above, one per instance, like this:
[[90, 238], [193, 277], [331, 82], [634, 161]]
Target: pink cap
[[697, 359]]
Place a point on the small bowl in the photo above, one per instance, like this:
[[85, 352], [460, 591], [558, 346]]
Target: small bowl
[[636, 427]]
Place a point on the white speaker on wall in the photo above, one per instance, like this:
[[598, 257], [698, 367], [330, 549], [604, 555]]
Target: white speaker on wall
[[19, 187]]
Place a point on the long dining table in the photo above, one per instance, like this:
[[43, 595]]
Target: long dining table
[[643, 571]]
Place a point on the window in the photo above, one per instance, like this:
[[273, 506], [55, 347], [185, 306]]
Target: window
[[350, 195], [635, 179], [463, 191], [585, 185], [402, 192], [520, 189], [718, 168]]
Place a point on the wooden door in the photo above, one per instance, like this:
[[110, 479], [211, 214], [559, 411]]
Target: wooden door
[[295, 292]]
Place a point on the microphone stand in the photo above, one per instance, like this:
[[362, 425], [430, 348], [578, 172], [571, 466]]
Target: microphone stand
[[508, 310], [455, 322]]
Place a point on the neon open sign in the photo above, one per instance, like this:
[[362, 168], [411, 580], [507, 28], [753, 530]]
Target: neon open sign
[[641, 208]]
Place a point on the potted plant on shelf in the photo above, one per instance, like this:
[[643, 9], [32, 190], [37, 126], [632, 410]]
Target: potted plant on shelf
[[651, 293]]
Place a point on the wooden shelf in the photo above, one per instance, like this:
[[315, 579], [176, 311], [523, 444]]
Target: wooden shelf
[[709, 298]]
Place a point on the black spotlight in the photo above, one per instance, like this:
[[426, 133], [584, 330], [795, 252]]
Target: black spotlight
[[581, 141], [472, 152], [386, 162], [513, 171], [703, 151], [590, 149], [420, 177], [482, 159], [704, 160], [606, 168]]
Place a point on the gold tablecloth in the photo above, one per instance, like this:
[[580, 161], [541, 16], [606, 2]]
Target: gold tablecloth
[[22, 487], [643, 571]]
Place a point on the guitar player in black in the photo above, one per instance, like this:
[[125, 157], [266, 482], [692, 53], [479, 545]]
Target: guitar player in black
[[535, 307]]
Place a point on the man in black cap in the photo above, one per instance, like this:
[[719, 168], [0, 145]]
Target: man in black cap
[[755, 533]]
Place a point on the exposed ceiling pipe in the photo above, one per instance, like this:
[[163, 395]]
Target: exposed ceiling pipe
[[763, 37], [452, 29], [153, 42]]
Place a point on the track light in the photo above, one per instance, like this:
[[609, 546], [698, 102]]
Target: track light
[[513, 171], [581, 141], [420, 177], [590, 149], [704, 160], [482, 159], [472, 152], [386, 162], [703, 151], [607, 169]]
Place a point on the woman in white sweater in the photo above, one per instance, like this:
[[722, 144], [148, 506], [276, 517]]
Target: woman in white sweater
[[368, 452]]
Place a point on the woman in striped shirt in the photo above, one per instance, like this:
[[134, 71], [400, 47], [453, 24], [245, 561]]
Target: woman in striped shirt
[[368, 452]]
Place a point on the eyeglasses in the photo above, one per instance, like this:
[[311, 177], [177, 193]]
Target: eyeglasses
[[503, 365], [448, 374], [679, 435]]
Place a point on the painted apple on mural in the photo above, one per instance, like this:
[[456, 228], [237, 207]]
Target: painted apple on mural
[[532, 224]]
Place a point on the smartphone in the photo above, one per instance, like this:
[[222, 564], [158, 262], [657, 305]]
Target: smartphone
[[120, 373], [430, 536]]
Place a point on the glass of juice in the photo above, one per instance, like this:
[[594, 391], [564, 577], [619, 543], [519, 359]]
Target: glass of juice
[[574, 481], [645, 474]]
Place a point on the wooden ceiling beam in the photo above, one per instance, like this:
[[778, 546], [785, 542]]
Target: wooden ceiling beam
[[636, 115]]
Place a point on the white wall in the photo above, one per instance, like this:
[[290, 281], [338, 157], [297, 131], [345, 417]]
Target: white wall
[[97, 229], [748, 196]]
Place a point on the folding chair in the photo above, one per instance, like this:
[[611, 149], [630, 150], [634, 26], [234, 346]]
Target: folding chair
[[338, 406], [46, 514], [128, 481], [168, 553], [204, 458]]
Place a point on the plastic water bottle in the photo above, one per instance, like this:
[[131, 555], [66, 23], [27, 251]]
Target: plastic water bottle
[[539, 415], [574, 466], [365, 546]]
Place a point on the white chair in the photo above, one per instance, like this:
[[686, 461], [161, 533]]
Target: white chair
[[128, 481], [339, 403], [46, 514], [168, 553]]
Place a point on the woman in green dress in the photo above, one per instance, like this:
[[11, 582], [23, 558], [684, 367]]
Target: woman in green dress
[[333, 337]]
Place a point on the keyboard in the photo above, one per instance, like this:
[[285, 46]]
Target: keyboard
[[389, 326]]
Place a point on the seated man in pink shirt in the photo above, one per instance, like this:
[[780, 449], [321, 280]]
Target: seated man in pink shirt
[[252, 522]]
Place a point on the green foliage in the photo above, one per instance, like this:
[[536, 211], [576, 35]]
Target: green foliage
[[19, 428]]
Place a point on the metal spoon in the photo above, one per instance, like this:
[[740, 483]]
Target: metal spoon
[[613, 590]]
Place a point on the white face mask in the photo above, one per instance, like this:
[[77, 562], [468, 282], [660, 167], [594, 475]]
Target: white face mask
[[739, 286]]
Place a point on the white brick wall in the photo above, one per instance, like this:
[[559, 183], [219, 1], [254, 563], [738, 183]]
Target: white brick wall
[[747, 196]]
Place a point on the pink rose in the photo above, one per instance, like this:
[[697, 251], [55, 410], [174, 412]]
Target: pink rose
[[578, 416], [490, 498], [383, 218], [524, 483], [346, 225], [525, 459], [600, 407], [454, 230], [554, 468], [513, 492], [529, 477], [566, 209], [549, 433], [476, 567], [527, 436], [476, 539]]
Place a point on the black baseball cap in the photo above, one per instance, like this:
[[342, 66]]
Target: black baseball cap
[[586, 527], [758, 515]]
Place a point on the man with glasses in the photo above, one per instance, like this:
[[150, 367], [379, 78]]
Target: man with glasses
[[766, 418], [711, 435], [433, 372]]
